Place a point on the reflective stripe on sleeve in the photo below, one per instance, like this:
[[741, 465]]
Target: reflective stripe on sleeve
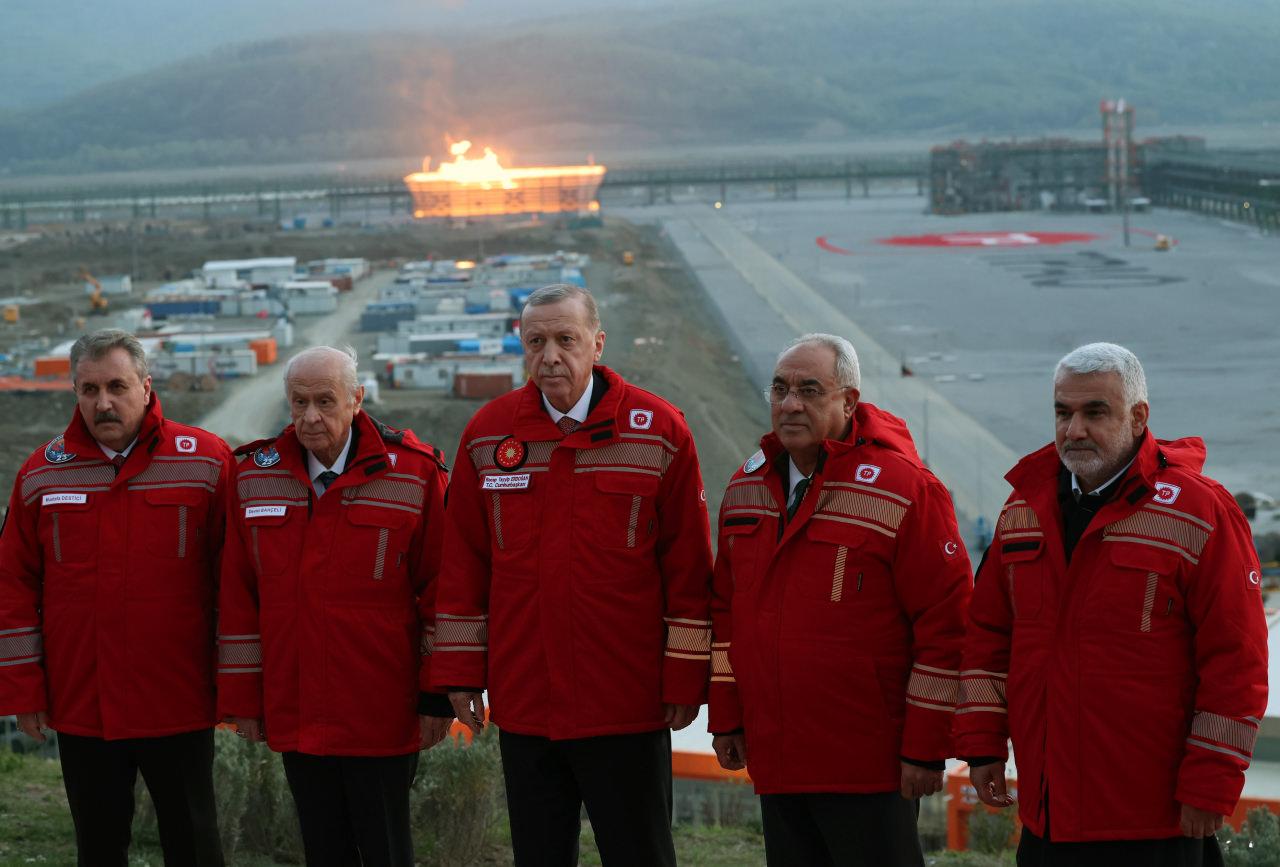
[[239, 654], [1224, 734], [933, 688], [21, 646], [688, 639], [982, 691], [455, 632]]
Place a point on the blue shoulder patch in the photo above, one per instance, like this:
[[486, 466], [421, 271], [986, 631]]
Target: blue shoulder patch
[[266, 457], [56, 451], [754, 462]]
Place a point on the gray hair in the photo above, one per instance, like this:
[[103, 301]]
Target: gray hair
[[848, 373], [344, 355], [557, 292], [1106, 358], [97, 344]]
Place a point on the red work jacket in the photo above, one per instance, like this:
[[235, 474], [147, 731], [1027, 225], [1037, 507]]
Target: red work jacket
[[323, 601], [577, 568], [1132, 679], [107, 582], [837, 633]]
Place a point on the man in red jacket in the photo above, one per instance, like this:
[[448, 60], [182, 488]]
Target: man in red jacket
[[107, 582], [575, 587], [840, 587], [1116, 634], [333, 543]]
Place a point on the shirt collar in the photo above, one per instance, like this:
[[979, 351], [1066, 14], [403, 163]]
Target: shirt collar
[[1078, 493], [315, 468], [111, 453], [794, 476], [578, 412]]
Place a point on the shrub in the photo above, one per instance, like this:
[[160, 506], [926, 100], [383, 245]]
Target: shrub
[[458, 798], [1257, 844], [990, 831]]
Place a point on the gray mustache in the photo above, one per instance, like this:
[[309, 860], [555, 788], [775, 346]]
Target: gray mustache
[[100, 417]]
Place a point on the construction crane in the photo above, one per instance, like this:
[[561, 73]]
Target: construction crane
[[97, 300]]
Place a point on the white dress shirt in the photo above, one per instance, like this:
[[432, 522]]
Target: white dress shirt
[[315, 468], [578, 412], [111, 453]]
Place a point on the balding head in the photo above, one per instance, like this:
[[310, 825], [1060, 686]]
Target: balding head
[[324, 396]]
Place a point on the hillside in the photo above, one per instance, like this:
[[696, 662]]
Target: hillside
[[724, 73]]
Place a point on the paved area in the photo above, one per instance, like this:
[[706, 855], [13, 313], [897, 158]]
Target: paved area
[[982, 325]]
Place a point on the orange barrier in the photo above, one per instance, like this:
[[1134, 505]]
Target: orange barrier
[[264, 350], [53, 365], [18, 383]]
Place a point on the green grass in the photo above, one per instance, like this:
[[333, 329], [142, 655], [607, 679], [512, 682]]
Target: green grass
[[35, 828]]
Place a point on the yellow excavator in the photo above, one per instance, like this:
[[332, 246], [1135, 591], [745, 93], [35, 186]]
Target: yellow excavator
[[97, 300]]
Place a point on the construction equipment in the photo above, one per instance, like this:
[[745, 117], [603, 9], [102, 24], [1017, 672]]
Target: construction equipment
[[97, 300]]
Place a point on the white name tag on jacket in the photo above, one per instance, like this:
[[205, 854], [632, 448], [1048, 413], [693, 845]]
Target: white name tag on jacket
[[55, 499], [264, 511], [510, 482]]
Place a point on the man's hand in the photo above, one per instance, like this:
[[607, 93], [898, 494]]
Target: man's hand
[[680, 715], [34, 725], [1199, 823], [469, 706], [918, 782], [433, 729], [731, 751], [249, 729], [988, 780]]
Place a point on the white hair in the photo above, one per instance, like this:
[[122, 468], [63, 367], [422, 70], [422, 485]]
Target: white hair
[[345, 355], [1106, 358], [848, 373]]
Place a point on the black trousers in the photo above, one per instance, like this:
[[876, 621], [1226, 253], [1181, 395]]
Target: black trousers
[[841, 830], [99, 776], [353, 810], [624, 781], [1036, 851]]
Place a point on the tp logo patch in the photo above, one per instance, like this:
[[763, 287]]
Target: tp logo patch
[[186, 445], [641, 419], [1166, 493], [866, 473]]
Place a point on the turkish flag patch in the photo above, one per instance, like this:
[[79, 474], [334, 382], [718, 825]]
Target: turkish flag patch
[[950, 548]]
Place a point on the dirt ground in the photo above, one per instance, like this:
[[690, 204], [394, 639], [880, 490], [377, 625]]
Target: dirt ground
[[660, 333]]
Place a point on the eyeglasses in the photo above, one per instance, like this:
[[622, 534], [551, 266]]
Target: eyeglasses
[[777, 393]]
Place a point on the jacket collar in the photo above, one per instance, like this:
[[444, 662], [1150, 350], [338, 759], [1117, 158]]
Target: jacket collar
[[80, 441], [367, 456], [533, 424], [870, 424]]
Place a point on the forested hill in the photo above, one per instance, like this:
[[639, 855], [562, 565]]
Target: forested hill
[[725, 73]]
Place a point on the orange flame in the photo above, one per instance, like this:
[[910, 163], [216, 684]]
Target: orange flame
[[515, 190]]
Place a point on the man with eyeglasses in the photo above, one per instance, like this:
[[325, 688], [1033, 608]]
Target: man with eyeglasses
[[840, 589]]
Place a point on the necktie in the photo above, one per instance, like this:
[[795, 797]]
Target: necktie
[[118, 462], [796, 496], [567, 425], [327, 478]]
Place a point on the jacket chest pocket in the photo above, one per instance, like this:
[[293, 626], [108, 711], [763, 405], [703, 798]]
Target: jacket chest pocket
[[847, 568], [69, 530], [749, 540], [624, 510], [1139, 592], [273, 544], [509, 500], [171, 523], [375, 545], [1024, 568]]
